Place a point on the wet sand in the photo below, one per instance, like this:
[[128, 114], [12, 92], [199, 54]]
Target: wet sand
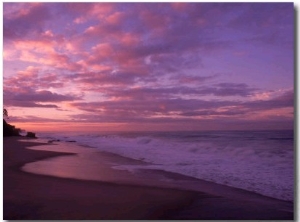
[[117, 194]]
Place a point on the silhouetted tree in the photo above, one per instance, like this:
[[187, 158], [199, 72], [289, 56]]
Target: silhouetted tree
[[5, 113]]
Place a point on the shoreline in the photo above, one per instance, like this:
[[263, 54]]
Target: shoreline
[[264, 165], [135, 201], [130, 171]]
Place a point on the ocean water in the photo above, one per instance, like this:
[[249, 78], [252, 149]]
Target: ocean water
[[258, 161]]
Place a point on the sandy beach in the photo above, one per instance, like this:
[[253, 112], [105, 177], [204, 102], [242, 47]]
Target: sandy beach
[[117, 194]]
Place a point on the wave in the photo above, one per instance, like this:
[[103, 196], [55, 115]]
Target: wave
[[248, 160]]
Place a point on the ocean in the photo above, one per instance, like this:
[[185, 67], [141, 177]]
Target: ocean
[[258, 161]]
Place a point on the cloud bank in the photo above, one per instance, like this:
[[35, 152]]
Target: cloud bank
[[142, 63]]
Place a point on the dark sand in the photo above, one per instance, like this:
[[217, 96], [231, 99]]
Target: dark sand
[[33, 196]]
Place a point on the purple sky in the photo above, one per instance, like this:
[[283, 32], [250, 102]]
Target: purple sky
[[149, 66]]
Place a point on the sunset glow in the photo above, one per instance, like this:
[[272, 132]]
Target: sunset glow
[[149, 66]]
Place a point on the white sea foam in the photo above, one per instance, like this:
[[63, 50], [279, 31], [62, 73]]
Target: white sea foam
[[261, 162]]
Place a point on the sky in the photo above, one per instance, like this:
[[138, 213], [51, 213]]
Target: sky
[[148, 66]]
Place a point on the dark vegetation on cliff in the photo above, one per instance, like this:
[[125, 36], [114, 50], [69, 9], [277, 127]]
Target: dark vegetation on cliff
[[9, 130]]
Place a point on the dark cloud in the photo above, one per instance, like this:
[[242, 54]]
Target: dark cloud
[[25, 22], [213, 113], [188, 79], [270, 21], [172, 63], [263, 15], [97, 80], [231, 89], [43, 96], [36, 99], [167, 109], [222, 90], [31, 118], [285, 100], [29, 104], [149, 106]]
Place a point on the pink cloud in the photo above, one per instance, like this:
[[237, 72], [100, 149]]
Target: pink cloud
[[9, 54], [107, 32], [97, 81], [129, 39], [102, 50], [90, 11], [59, 60], [158, 23], [119, 55], [30, 72], [90, 30], [50, 79], [179, 6], [30, 79], [88, 66], [38, 46], [115, 18], [13, 10], [22, 82], [79, 20], [101, 9], [45, 50], [54, 59], [48, 34]]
